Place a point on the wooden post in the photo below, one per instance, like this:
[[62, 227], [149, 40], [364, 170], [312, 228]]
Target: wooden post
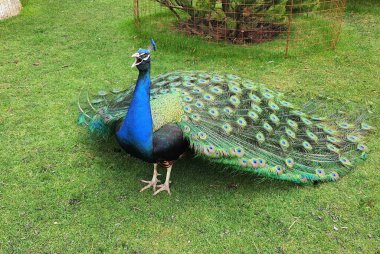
[[336, 27], [136, 12], [289, 29]]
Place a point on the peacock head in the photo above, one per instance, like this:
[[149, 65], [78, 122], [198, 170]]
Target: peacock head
[[142, 59]]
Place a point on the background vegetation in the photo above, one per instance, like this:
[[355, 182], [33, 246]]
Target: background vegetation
[[239, 21], [60, 192]]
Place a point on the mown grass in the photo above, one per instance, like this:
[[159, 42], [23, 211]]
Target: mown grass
[[60, 192]]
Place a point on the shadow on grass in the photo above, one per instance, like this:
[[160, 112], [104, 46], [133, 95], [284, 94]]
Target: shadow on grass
[[190, 176]]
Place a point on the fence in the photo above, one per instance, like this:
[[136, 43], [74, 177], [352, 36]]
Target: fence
[[283, 24]]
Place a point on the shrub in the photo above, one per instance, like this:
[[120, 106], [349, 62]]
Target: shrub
[[237, 20]]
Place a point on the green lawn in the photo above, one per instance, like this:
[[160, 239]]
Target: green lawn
[[60, 192]]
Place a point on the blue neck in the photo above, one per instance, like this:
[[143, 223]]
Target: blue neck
[[136, 131]]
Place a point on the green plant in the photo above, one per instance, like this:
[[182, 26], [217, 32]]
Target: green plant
[[303, 5], [231, 18]]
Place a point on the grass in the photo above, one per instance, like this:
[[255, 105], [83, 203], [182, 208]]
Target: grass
[[60, 192]]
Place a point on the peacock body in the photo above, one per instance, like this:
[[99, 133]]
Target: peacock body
[[228, 120]]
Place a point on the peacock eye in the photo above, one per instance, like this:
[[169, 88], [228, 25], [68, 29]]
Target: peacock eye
[[144, 56]]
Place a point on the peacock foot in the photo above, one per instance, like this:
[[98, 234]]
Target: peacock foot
[[154, 180], [152, 183], [165, 186], [162, 187]]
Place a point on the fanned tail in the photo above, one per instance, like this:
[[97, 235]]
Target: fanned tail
[[245, 125]]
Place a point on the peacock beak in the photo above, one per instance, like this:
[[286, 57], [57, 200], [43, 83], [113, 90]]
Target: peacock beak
[[138, 60]]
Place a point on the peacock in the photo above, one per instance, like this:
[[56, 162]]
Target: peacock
[[226, 119]]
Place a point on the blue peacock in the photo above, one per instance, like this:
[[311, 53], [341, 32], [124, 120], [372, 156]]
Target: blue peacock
[[226, 119]]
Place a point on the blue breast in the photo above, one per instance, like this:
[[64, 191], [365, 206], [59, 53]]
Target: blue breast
[[136, 132]]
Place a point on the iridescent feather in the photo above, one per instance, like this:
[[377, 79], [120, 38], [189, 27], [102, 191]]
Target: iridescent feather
[[244, 125]]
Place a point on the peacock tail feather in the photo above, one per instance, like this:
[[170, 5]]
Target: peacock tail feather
[[242, 124], [104, 111]]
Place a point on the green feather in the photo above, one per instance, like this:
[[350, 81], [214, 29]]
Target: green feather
[[244, 125]]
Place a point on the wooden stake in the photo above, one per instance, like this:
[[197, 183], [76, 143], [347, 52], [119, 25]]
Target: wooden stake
[[289, 29], [136, 14]]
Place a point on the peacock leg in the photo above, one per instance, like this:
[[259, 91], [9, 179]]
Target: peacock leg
[[154, 180], [165, 186]]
